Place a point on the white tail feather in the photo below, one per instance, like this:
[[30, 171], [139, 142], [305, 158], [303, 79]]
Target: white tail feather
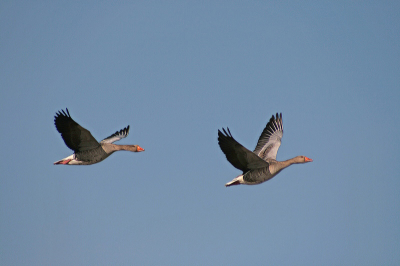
[[236, 181]]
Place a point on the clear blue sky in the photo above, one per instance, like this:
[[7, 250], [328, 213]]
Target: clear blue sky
[[176, 72]]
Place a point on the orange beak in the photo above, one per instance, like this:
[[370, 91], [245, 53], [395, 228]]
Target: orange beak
[[306, 159], [139, 148]]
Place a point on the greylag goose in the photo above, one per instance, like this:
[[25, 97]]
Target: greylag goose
[[260, 165], [86, 148]]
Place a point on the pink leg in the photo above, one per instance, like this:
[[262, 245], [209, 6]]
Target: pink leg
[[63, 162], [234, 183]]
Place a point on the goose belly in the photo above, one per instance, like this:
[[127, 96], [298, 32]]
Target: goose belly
[[91, 156], [257, 176]]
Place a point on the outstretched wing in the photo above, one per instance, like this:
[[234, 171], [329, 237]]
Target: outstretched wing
[[116, 136], [75, 137], [270, 139], [240, 157]]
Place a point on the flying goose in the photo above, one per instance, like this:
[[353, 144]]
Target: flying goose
[[87, 150], [260, 165]]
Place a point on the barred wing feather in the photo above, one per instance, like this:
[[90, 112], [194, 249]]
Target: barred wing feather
[[270, 139], [123, 133]]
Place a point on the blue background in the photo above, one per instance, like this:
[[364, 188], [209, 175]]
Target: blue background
[[176, 72]]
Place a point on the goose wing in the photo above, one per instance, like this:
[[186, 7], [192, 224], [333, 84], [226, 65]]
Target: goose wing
[[75, 137], [116, 136], [240, 157], [270, 139]]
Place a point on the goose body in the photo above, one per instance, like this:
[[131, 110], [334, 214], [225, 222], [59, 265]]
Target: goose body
[[260, 165], [87, 150]]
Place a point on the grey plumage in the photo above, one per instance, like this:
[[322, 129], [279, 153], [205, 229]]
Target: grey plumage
[[270, 139], [260, 165], [87, 150]]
